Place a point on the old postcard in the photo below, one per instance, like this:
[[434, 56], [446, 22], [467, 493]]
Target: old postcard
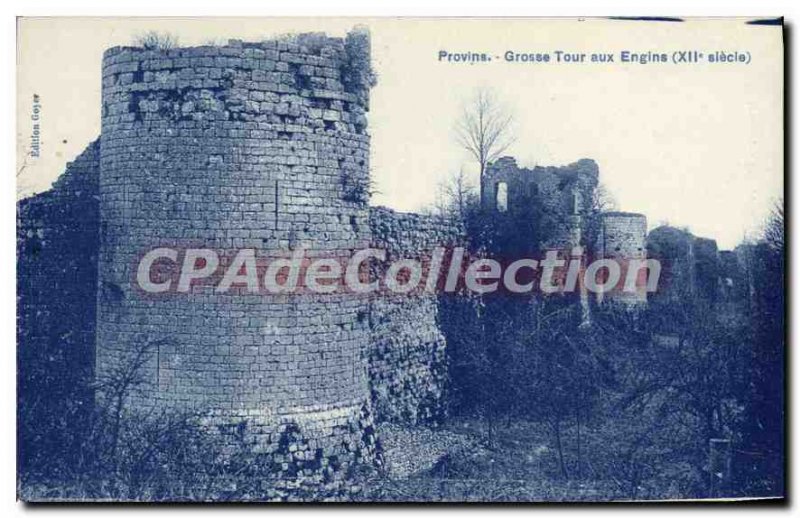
[[400, 259]]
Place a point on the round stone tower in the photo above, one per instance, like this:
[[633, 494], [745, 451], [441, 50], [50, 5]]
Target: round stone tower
[[248, 145], [622, 238]]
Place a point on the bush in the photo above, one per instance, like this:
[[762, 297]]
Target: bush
[[153, 40], [113, 454]]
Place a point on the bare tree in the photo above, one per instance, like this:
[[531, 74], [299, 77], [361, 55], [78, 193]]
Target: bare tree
[[485, 128], [602, 201], [773, 230], [115, 387], [456, 195]]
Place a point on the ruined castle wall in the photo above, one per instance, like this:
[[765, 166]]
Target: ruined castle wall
[[734, 285], [57, 241], [690, 265], [564, 195], [707, 268], [407, 360], [623, 239], [247, 145], [673, 248]]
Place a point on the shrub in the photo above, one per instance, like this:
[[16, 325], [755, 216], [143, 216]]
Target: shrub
[[154, 40]]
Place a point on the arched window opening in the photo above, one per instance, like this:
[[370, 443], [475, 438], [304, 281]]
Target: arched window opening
[[576, 202], [501, 196]]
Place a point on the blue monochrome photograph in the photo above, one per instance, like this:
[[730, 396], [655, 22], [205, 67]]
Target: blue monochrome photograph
[[400, 260]]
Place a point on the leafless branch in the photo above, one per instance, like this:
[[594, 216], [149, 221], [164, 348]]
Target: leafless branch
[[485, 128]]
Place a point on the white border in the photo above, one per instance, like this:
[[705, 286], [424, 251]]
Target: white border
[[549, 8]]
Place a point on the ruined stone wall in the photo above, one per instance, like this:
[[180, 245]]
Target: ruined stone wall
[[672, 247], [407, 366], [247, 145], [734, 275], [707, 268], [258, 146], [623, 239], [564, 193], [57, 241], [690, 267]]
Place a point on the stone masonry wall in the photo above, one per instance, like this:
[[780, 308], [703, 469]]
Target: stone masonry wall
[[564, 191], [707, 268], [408, 371], [241, 146], [260, 146], [623, 238], [57, 242], [690, 265], [247, 145]]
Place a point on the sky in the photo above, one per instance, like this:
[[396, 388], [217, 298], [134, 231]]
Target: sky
[[693, 145]]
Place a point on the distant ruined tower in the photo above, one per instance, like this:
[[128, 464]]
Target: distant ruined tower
[[623, 239], [247, 145], [691, 266], [565, 195], [562, 191]]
